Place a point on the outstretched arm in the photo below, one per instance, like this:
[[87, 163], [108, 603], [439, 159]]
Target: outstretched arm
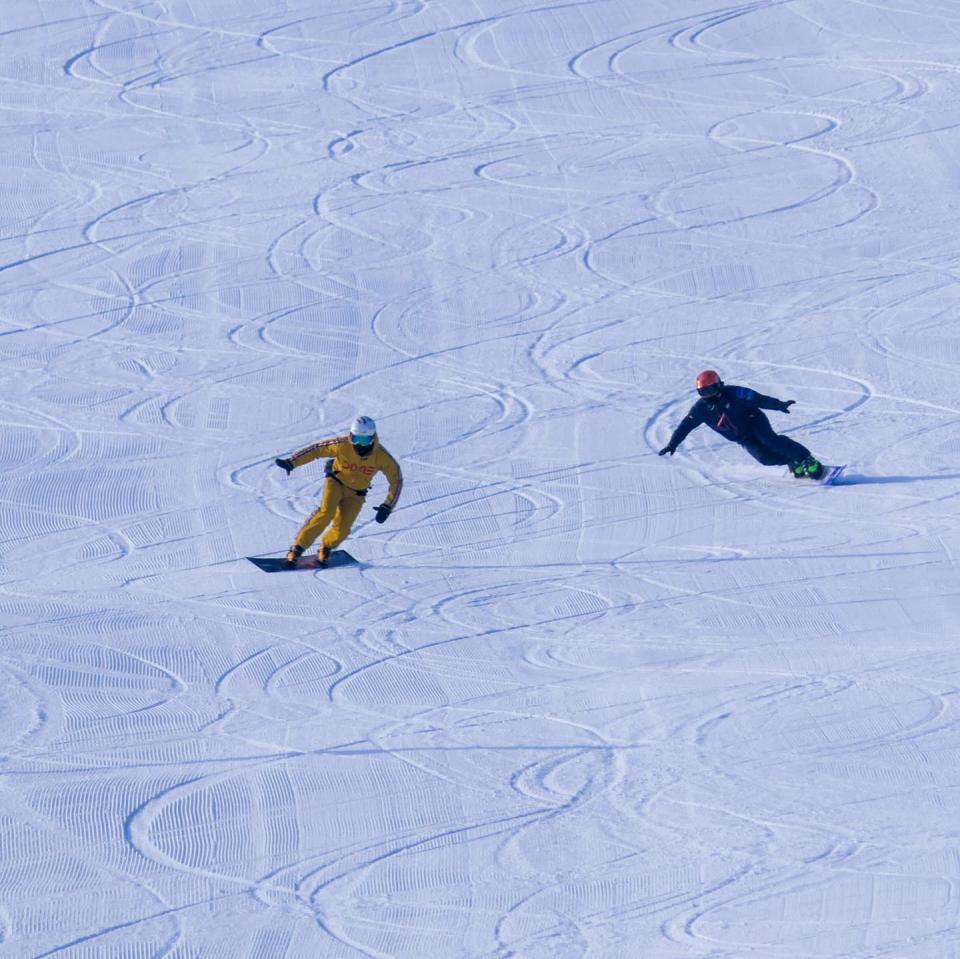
[[764, 402], [688, 424], [310, 453]]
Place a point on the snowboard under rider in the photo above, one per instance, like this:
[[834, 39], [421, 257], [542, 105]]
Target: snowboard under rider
[[356, 459], [736, 413]]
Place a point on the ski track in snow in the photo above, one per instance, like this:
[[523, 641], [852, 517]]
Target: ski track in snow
[[575, 700]]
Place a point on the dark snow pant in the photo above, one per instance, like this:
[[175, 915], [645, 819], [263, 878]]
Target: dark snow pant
[[772, 449]]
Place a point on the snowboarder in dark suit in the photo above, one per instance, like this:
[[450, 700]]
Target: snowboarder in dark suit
[[736, 413]]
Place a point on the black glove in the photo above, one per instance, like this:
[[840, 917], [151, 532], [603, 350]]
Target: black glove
[[284, 465], [383, 511], [785, 405], [668, 449]]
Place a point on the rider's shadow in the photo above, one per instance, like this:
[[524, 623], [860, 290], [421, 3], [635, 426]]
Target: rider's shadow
[[857, 479]]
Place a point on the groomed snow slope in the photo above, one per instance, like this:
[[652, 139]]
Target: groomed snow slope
[[577, 700]]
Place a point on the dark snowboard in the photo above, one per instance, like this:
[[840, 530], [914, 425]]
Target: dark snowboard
[[277, 564]]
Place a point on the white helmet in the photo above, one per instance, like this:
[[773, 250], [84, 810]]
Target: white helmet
[[363, 431]]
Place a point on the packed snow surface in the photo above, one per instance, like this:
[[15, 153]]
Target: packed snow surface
[[575, 700]]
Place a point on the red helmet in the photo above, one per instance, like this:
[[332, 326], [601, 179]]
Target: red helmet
[[709, 383]]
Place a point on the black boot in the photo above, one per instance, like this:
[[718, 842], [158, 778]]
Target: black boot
[[293, 554]]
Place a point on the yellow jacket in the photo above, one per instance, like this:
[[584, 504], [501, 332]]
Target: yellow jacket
[[352, 469]]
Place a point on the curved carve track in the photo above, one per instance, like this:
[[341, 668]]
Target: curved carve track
[[576, 701]]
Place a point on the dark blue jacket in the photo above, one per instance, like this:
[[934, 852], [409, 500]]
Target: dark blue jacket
[[734, 413]]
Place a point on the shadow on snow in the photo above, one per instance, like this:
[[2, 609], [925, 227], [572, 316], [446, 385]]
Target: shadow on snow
[[856, 479]]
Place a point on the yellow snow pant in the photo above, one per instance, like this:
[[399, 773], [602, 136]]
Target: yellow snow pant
[[338, 509]]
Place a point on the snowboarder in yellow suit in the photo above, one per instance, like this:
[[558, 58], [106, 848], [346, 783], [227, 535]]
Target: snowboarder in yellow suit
[[356, 459]]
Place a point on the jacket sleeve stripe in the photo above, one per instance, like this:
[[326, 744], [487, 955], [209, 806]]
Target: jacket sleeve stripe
[[316, 450]]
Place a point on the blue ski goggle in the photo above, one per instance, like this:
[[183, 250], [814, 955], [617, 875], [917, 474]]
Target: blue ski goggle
[[361, 439], [712, 390]]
